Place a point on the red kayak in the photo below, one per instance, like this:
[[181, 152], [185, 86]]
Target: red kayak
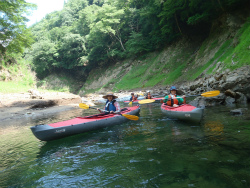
[[185, 112], [81, 124]]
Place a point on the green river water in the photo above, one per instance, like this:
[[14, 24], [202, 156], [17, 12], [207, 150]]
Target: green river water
[[152, 152]]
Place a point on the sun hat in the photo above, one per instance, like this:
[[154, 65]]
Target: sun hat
[[109, 94]]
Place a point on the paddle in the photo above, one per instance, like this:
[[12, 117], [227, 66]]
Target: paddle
[[146, 101], [131, 117], [206, 94]]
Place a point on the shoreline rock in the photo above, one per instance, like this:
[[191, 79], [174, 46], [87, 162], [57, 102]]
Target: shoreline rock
[[17, 106], [48, 99]]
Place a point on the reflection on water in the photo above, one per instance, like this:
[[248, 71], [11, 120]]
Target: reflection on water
[[175, 131], [214, 130], [151, 152]]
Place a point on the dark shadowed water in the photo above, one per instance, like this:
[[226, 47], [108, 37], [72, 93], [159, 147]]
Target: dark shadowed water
[[151, 152]]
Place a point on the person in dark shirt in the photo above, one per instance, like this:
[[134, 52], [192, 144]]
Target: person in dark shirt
[[133, 97]]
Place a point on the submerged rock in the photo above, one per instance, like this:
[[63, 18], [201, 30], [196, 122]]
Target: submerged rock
[[239, 111]]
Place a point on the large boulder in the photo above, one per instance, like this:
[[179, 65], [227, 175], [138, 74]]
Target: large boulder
[[234, 87]]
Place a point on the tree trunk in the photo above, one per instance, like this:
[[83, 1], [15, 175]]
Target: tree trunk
[[221, 5], [118, 37], [177, 23]]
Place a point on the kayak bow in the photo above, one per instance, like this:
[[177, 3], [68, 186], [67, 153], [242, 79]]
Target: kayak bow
[[185, 112], [78, 125]]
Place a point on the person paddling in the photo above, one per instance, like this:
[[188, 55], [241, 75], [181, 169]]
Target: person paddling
[[173, 99], [133, 97], [149, 96], [112, 106]]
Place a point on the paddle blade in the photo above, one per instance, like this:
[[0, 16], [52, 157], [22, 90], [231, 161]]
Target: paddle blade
[[131, 117], [130, 104], [211, 93], [84, 106], [146, 101]]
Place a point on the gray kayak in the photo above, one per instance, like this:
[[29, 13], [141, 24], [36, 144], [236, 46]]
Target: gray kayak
[[78, 125], [184, 112]]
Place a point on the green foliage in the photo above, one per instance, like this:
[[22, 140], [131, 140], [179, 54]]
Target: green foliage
[[72, 46], [203, 48], [57, 82], [214, 44], [104, 38], [224, 52], [240, 55], [14, 35], [137, 44], [174, 75], [59, 48], [202, 11], [152, 72], [43, 57], [197, 18], [17, 77], [219, 56], [133, 78], [86, 34], [97, 33], [13, 87], [74, 7], [154, 79], [179, 64]]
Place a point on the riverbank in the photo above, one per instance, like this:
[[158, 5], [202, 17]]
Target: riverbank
[[16, 106]]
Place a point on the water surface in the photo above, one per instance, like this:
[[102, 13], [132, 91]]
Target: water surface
[[152, 152]]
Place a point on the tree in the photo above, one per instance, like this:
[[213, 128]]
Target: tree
[[70, 50], [44, 55], [137, 44], [87, 33], [170, 17], [14, 35], [109, 21]]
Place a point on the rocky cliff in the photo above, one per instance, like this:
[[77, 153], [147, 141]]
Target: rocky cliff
[[194, 64]]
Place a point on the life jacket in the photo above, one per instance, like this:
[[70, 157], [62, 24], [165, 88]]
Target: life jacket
[[148, 97], [110, 106], [133, 98], [172, 101]]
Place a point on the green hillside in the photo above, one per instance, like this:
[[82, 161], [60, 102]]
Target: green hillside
[[117, 45], [180, 62]]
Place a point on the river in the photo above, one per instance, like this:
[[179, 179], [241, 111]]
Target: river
[[151, 152]]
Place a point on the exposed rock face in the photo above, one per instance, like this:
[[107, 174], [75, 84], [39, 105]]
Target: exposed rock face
[[234, 87]]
